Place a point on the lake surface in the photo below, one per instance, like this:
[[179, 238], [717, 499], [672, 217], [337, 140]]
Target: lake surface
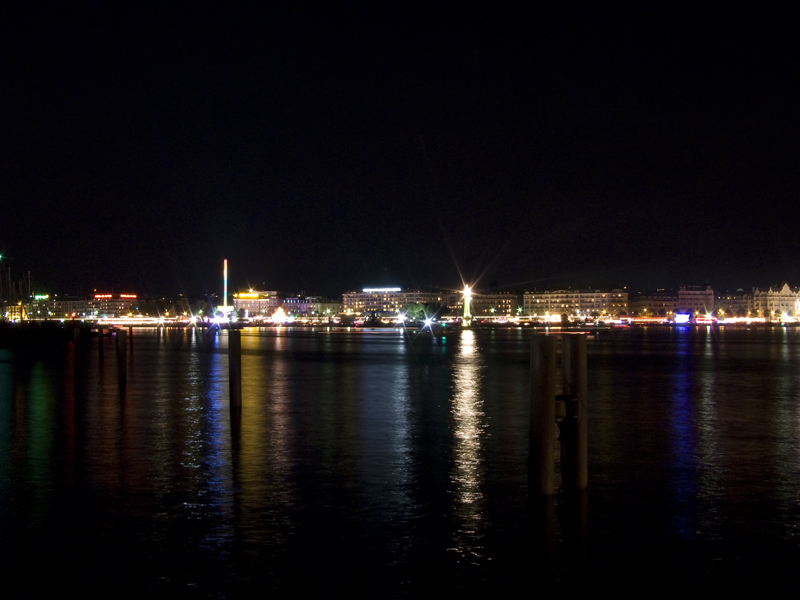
[[379, 464]]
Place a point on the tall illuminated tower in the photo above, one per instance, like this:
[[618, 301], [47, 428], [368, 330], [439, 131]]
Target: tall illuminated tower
[[225, 284]]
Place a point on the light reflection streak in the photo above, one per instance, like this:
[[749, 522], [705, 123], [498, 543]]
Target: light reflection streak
[[210, 448], [467, 473], [385, 436], [40, 424], [681, 417], [706, 454], [6, 429], [784, 418], [263, 467]]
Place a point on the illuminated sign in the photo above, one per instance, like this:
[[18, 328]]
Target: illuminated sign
[[102, 295], [248, 295], [127, 295], [41, 297], [371, 290], [681, 319]]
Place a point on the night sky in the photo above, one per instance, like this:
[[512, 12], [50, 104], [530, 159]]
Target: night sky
[[326, 151]]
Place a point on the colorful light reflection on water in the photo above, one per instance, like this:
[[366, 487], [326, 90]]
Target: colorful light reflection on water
[[376, 462]]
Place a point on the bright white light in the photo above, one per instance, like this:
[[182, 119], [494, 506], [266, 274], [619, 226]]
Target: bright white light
[[371, 290]]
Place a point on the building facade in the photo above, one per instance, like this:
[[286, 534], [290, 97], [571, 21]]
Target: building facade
[[696, 300], [493, 304], [112, 305], [258, 304], [67, 307], [386, 301], [734, 304], [660, 303], [579, 303], [776, 302]]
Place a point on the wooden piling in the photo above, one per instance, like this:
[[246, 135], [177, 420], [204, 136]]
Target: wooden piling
[[100, 348], [542, 414], [573, 361], [578, 369], [235, 368], [122, 357]]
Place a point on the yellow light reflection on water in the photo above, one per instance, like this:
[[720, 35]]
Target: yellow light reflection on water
[[469, 422]]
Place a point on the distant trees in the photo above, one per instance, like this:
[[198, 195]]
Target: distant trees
[[419, 311]]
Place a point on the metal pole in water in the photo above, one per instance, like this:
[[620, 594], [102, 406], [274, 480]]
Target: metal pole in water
[[542, 416], [100, 348], [130, 334], [235, 367]]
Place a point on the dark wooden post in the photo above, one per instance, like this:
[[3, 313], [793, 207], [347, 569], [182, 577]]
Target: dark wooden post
[[542, 415], [235, 368], [122, 357], [575, 387]]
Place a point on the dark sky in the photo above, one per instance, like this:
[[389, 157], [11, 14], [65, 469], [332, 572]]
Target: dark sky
[[325, 151]]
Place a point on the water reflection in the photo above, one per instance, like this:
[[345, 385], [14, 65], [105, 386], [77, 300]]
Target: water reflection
[[467, 475], [363, 454], [263, 446]]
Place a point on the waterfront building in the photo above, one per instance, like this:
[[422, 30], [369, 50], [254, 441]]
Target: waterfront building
[[495, 304], [317, 306], [660, 303], [734, 304], [579, 303], [111, 305], [258, 303], [695, 300], [776, 302], [386, 301], [67, 307]]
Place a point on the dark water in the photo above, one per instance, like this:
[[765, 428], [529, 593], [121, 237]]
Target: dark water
[[373, 465]]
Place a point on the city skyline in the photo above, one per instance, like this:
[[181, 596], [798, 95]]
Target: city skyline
[[323, 151]]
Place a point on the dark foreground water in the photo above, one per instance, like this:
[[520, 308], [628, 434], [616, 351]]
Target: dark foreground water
[[368, 463]]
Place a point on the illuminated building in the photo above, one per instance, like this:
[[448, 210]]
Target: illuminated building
[[490, 304], [776, 302], [311, 306], [695, 300], [258, 303], [386, 301], [735, 304], [317, 306], [62, 306], [577, 302], [111, 305], [660, 303]]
